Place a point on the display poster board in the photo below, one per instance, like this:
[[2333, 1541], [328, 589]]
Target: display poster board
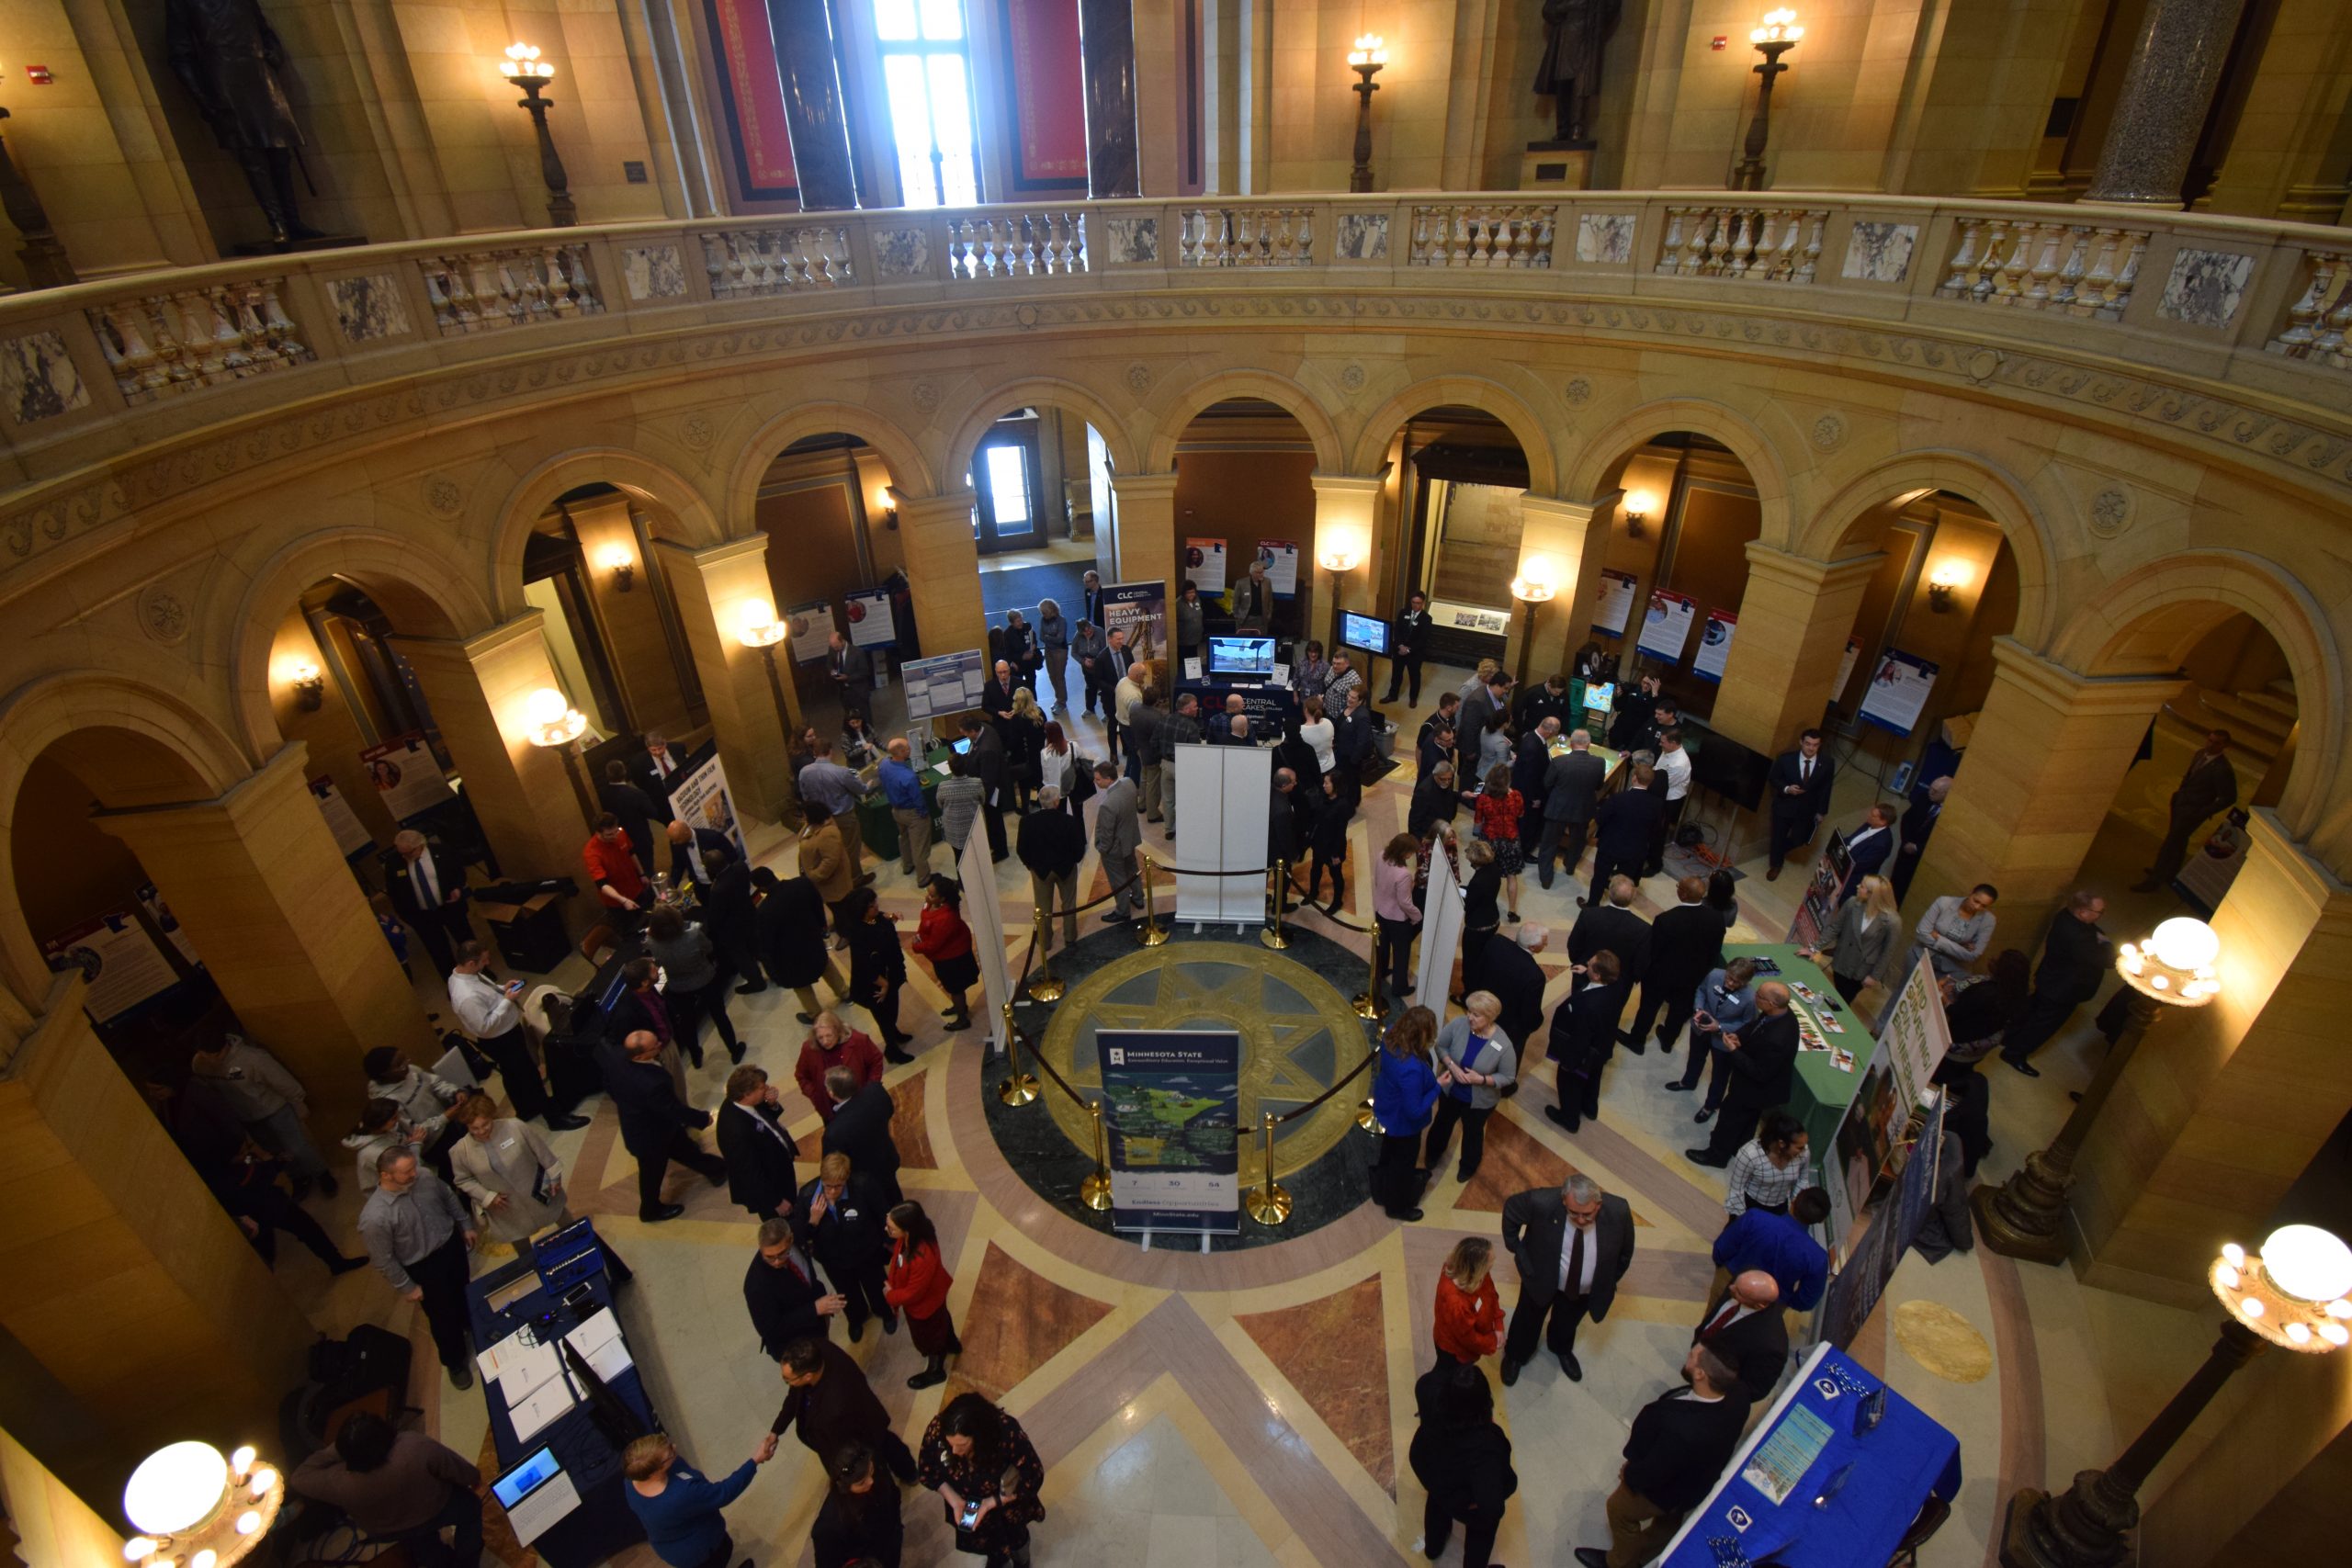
[[870, 624], [1204, 564], [121, 962], [1913, 1037], [1898, 692], [949, 684], [1223, 798], [1616, 608], [1810, 922], [1172, 1108], [1281, 556], [812, 627], [1140, 610], [1715, 645], [160, 916], [1459, 617], [1666, 626], [699, 798], [1852, 657], [351, 836], [983, 911], [1441, 927], [406, 775], [1890, 1229]]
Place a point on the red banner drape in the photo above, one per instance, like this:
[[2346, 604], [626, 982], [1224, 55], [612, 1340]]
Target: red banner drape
[[752, 96], [1046, 89]]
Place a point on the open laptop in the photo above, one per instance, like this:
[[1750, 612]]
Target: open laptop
[[536, 1493]]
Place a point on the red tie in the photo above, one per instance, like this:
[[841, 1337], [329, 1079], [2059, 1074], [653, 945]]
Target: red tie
[[1722, 1318]]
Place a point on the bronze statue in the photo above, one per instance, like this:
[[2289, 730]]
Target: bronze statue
[[1574, 32], [227, 56]]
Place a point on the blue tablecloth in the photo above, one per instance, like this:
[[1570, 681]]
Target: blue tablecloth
[[1895, 1466]]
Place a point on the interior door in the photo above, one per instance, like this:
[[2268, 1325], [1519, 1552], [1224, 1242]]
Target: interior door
[[1009, 503]]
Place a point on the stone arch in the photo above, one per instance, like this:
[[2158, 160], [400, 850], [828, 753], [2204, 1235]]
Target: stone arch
[[1479, 393], [424, 591], [2023, 522], [1168, 426], [1605, 452], [134, 744], [2148, 619], [997, 401], [758, 454], [654, 482]]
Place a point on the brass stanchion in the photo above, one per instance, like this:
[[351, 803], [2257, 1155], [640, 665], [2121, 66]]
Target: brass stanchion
[[1270, 1205], [1152, 934], [1044, 986], [1095, 1191], [1367, 1001], [1021, 1088], [1272, 935]]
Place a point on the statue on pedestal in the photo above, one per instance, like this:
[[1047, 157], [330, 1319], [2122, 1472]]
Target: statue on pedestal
[[227, 55], [1574, 32]]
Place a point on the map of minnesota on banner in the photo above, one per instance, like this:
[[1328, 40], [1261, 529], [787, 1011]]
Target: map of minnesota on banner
[[752, 92]]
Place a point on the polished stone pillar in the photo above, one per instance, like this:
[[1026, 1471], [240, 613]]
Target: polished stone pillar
[[1795, 618], [944, 573], [1571, 539], [1106, 32], [285, 930], [813, 112], [2168, 87], [713, 588]]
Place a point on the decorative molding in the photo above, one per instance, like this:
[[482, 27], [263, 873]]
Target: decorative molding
[[1353, 377], [444, 495], [2111, 513], [1829, 431], [1579, 393], [163, 615], [1140, 377]]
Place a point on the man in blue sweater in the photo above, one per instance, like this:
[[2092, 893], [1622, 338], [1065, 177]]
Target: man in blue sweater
[[679, 1506], [1780, 1246]]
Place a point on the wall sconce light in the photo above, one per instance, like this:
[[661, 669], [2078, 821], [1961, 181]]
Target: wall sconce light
[[310, 686], [524, 67], [1778, 35], [891, 512], [1640, 506], [621, 564], [1365, 59], [1946, 580], [195, 1509]]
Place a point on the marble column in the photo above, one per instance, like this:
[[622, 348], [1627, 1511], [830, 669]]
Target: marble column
[[1795, 618], [2175, 65], [713, 589], [1107, 46], [285, 929], [1565, 541], [813, 112]]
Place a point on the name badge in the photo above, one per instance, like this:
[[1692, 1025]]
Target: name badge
[[849, 1214]]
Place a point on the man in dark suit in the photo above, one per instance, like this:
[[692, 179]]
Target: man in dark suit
[[1623, 827], [1681, 1442], [1572, 1246], [861, 1129], [996, 695], [428, 892], [1479, 706], [1531, 764], [655, 1124], [1762, 1060], [759, 1152], [1091, 591], [787, 1299], [1352, 738], [1408, 644], [840, 1224], [634, 807], [731, 916], [2074, 959], [690, 851], [1750, 1332], [2208, 788], [1867, 848], [1571, 789], [653, 771], [988, 763], [1798, 784], [1434, 799], [851, 673], [1920, 821], [1584, 1035], [1610, 923], [1284, 837], [1508, 968], [1686, 943], [1448, 714]]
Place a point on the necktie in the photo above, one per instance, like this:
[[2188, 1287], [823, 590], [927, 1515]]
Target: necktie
[[1574, 1285], [1719, 1321]]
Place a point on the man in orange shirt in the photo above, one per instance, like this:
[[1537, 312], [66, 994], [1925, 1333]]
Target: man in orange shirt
[[612, 865]]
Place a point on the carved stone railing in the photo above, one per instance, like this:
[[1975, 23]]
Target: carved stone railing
[[747, 264], [2080, 268], [161, 346], [481, 291], [2322, 313], [1755, 244], [1016, 244], [1247, 236], [1481, 236]]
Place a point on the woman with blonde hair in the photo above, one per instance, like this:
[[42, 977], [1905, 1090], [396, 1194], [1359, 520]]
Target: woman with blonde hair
[[1404, 1089], [1468, 1321], [1864, 941], [1477, 1064]]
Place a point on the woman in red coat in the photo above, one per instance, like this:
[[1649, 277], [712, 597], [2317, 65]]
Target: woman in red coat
[[1469, 1311], [947, 941], [916, 1283]]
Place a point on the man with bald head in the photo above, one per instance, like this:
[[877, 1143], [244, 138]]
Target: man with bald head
[[1762, 1061], [1750, 1331], [656, 1125]]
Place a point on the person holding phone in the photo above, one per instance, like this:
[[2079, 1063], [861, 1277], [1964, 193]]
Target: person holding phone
[[988, 1474], [1724, 1005]]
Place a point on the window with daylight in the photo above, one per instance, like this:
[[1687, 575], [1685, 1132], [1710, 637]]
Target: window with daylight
[[927, 68]]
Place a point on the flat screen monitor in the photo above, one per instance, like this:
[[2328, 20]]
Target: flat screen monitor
[[1251, 658], [1731, 770], [1599, 696], [1367, 631]]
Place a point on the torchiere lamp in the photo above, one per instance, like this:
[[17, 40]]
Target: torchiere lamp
[[762, 630], [195, 1509], [1339, 560], [557, 726], [2292, 1296], [524, 67], [1778, 35], [2026, 1215], [1532, 587], [1365, 59]]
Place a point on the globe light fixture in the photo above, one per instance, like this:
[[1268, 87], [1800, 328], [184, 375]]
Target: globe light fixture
[[1777, 36], [193, 1507], [556, 725], [525, 69]]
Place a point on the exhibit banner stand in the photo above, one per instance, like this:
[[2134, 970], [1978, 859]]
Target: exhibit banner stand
[[1171, 1102]]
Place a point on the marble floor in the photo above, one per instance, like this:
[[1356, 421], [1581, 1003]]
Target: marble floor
[[1255, 1407]]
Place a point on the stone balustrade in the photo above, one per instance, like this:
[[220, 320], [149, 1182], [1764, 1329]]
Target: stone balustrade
[[2321, 314], [755, 263], [1015, 244], [1758, 244], [166, 344], [490, 291], [1247, 236], [1476, 235], [2080, 268]]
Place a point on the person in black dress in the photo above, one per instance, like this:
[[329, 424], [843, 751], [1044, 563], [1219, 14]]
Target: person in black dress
[[878, 969], [860, 1522], [1463, 1458]]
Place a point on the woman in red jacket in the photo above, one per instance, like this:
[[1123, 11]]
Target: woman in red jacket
[[947, 941], [1469, 1311], [916, 1283]]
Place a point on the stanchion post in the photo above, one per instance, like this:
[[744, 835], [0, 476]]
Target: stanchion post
[[1095, 1191], [1272, 935], [1044, 986], [1021, 1088], [1367, 1001], [1152, 934], [1270, 1205]]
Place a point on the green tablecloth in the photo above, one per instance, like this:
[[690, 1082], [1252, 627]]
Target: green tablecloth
[[1823, 1091], [879, 828]]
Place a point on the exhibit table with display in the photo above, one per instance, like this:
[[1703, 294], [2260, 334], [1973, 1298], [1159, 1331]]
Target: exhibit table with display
[[1834, 1047]]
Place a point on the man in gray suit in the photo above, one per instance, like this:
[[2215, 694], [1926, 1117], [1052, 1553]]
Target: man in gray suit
[[1254, 603], [1571, 785], [1572, 1247], [853, 675], [1117, 836]]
